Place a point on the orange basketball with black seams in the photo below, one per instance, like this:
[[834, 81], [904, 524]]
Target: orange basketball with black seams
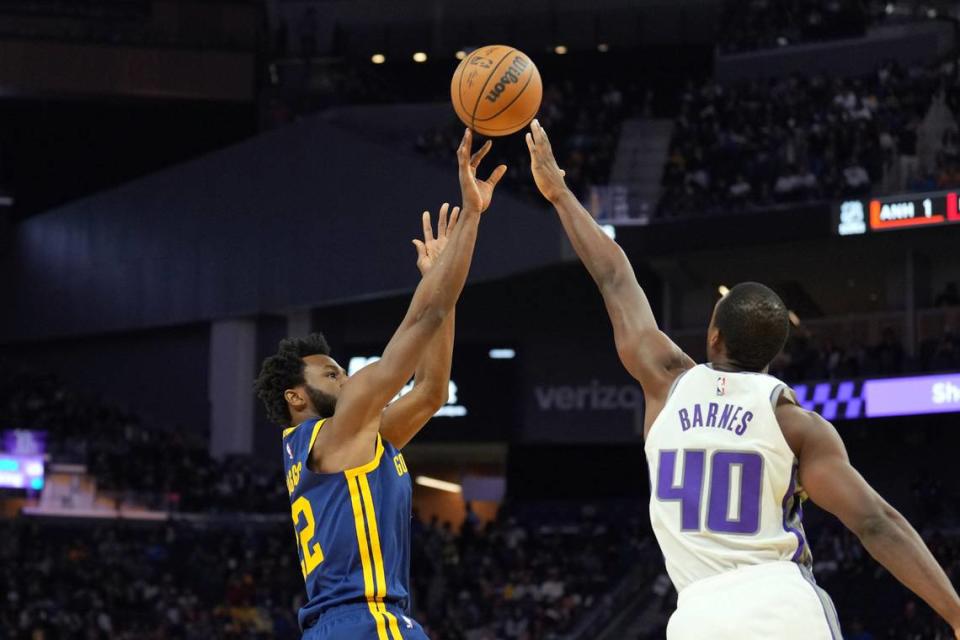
[[496, 90]]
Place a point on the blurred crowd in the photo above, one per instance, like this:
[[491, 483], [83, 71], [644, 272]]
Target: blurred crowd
[[812, 137], [520, 578], [809, 357], [148, 467], [509, 579], [147, 581], [762, 24]]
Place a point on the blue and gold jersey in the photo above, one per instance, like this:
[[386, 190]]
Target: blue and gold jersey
[[352, 530]]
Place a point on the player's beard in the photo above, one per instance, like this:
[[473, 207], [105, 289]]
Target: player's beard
[[324, 403]]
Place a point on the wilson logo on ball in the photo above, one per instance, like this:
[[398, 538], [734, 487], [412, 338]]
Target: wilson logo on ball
[[512, 75]]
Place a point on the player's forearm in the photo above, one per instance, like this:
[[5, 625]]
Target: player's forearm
[[895, 544], [433, 370], [602, 257]]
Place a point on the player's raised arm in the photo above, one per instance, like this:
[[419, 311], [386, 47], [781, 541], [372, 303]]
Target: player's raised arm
[[647, 353], [365, 394], [403, 419], [832, 483]]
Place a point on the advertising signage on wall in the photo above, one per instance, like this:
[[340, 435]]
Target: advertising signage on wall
[[882, 397], [481, 396], [893, 213]]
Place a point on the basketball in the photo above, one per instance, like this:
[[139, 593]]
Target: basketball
[[496, 90]]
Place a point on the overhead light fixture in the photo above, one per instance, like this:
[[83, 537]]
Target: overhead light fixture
[[931, 13], [502, 354], [378, 58], [723, 290], [560, 49], [603, 47], [460, 55], [419, 56], [442, 485]]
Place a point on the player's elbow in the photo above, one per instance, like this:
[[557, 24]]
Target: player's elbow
[[433, 316], [879, 523], [435, 396]]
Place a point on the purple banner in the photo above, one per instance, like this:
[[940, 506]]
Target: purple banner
[[912, 396]]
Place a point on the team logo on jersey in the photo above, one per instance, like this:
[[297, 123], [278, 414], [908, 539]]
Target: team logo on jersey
[[289, 451], [721, 385]]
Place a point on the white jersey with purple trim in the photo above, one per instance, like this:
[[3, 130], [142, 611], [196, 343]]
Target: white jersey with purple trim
[[723, 479]]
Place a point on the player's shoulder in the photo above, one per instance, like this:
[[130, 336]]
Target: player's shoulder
[[298, 440]]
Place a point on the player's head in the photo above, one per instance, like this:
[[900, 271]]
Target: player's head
[[749, 327], [300, 380]]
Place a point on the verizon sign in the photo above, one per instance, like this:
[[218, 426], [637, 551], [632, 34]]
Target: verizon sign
[[594, 396]]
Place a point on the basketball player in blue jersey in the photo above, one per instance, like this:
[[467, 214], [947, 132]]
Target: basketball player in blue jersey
[[731, 457], [350, 491]]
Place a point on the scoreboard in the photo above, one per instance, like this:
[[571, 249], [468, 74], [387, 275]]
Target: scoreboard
[[856, 217]]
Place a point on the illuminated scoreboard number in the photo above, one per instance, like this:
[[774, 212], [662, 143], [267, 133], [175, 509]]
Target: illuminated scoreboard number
[[897, 212]]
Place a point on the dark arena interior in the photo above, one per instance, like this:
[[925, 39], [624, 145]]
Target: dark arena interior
[[186, 183]]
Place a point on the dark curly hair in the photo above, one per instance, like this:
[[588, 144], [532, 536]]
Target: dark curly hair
[[284, 370], [754, 324]]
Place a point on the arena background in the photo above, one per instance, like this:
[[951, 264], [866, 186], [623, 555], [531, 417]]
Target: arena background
[[185, 182]]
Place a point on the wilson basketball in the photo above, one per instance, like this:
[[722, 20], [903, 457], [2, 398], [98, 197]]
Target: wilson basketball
[[496, 90]]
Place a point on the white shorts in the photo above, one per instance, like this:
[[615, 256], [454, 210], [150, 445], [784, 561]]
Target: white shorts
[[775, 600]]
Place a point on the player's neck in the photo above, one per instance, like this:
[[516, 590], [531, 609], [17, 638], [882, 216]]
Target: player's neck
[[729, 366]]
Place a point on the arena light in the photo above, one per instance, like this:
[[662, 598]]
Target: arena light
[[442, 485], [460, 55], [560, 49], [378, 58], [502, 354], [931, 13], [723, 290], [419, 56], [889, 9], [603, 47]]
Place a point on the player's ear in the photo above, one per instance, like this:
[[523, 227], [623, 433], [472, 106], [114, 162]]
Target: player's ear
[[295, 399]]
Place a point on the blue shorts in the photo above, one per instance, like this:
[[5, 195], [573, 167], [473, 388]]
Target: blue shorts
[[356, 622]]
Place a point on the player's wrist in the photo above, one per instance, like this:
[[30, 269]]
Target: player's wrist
[[556, 197]]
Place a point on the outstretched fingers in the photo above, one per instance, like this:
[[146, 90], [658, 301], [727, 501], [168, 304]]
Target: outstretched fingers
[[496, 174], [454, 216], [481, 153]]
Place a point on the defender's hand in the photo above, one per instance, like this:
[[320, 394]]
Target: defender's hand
[[430, 248], [546, 173], [476, 193]]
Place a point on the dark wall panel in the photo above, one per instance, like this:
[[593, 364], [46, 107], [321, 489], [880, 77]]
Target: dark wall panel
[[161, 375], [299, 217]]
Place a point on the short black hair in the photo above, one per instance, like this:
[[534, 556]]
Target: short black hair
[[284, 370], [754, 323]]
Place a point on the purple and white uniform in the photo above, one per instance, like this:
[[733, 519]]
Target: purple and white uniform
[[726, 509]]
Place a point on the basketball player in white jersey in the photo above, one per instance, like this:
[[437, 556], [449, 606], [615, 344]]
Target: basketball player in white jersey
[[730, 453]]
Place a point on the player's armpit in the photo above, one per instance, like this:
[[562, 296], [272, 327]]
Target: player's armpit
[[652, 358], [404, 419]]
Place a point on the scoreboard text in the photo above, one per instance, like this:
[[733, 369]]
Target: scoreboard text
[[855, 217]]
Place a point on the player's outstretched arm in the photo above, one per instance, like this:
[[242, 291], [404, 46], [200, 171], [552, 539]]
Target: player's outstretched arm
[[365, 394], [647, 353], [403, 419], [832, 483]]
